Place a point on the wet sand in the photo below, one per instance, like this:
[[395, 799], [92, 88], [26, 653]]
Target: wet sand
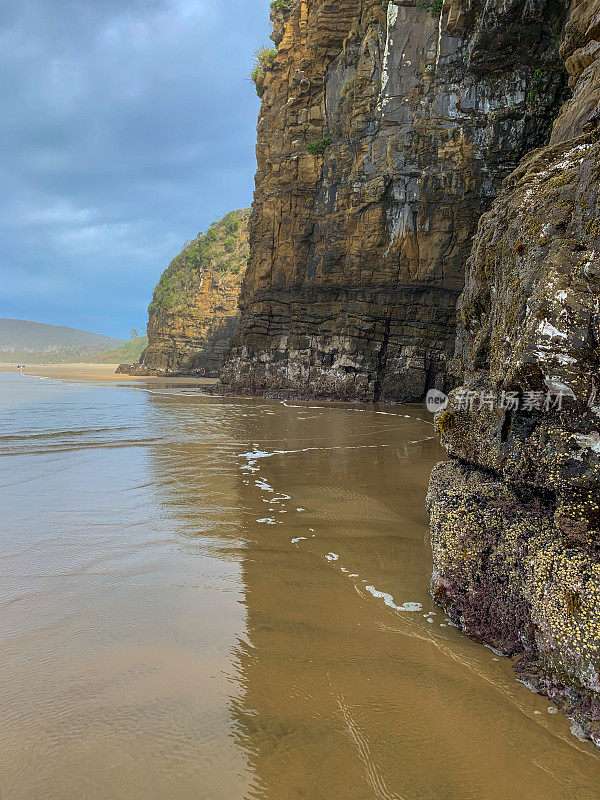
[[95, 372], [208, 598]]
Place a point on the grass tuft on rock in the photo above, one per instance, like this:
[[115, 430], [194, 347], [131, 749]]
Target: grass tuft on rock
[[263, 61], [319, 147]]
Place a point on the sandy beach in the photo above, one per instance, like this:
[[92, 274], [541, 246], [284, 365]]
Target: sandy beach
[[187, 579], [96, 372]]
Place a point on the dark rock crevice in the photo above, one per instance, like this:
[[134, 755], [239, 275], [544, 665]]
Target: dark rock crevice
[[382, 360]]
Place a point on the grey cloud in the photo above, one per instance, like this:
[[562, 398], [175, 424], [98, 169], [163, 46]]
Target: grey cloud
[[127, 127]]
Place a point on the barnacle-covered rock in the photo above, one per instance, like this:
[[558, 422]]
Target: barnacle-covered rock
[[509, 577], [515, 515]]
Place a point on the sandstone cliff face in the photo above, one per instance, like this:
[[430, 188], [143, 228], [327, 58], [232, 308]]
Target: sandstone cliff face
[[515, 513], [385, 131], [194, 309]]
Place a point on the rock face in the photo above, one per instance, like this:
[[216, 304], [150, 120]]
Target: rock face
[[193, 313], [385, 131], [515, 513]]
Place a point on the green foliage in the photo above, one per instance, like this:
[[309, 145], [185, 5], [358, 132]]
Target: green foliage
[[537, 78], [263, 61], [435, 6], [128, 353], [231, 222], [281, 5], [219, 251], [19, 334], [318, 147]]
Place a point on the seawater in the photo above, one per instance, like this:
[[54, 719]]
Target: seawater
[[215, 598]]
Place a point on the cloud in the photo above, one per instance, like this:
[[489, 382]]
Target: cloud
[[53, 212], [127, 127]]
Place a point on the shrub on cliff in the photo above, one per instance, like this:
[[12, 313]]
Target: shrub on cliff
[[263, 61], [221, 251], [435, 6], [231, 222], [319, 147]]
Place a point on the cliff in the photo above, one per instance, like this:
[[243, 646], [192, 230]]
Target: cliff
[[515, 513], [385, 132], [194, 308]]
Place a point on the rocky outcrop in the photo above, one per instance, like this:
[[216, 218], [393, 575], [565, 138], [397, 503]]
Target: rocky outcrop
[[193, 313], [385, 131], [515, 513]]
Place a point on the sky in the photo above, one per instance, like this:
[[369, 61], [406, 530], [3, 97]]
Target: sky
[[127, 127]]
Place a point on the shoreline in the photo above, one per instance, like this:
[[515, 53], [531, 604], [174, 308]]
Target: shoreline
[[574, 704], [84, 371]]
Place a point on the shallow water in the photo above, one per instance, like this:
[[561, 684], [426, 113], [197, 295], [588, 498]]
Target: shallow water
[[214, 598]]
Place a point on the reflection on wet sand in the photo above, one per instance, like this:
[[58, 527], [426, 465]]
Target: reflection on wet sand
[[353, 684], [228, 599]]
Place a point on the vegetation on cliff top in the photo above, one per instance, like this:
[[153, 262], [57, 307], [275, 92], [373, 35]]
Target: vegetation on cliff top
[[220, 253], [263, 61]]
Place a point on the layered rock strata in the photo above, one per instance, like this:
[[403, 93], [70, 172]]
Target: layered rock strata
[[194, 312], [515, 513], [385, 131]]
